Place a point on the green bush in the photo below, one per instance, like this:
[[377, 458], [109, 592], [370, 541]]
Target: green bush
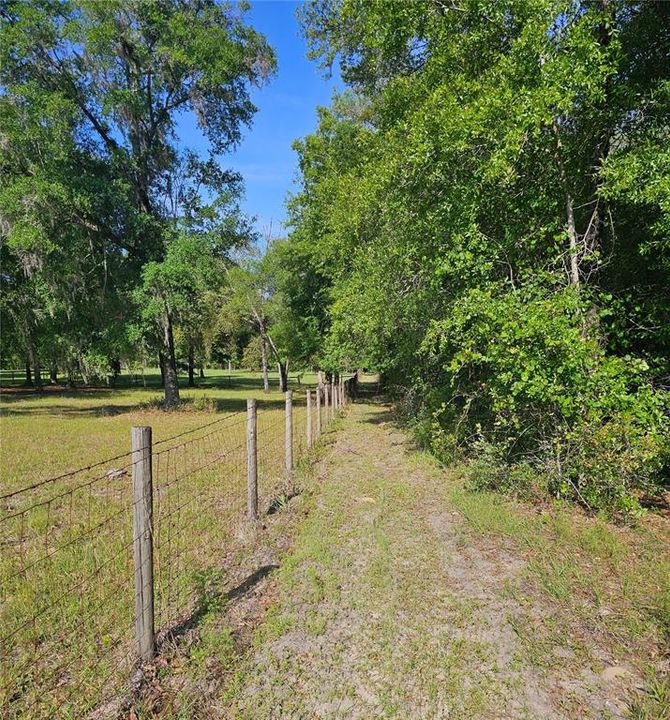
[[529, 385]]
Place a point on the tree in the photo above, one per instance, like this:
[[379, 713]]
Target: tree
[[61, 267], [249, 296], [126, 71], [484, 192]]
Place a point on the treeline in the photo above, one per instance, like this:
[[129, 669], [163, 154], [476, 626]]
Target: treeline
[[119, 245], [484, 216]]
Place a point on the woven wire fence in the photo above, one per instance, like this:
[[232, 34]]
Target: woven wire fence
[[66, 577], [68, 639]]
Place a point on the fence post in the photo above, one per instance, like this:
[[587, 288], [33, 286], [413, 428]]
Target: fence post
[[252, 462], [326, 401], [309, 419], [288, 438], [318, 410], [143, 541], [332, 397]]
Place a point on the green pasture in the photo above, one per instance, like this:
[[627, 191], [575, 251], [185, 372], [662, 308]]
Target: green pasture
[[66, 572]]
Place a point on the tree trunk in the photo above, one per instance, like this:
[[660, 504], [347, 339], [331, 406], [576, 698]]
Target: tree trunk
[[202, 371], [170, 363], [282, 367], [115, 365], [264, 364], [191, 366], [569, 211], [35, 363], [594, 230], [37, 374], [53, 374], [161, 365], [29, 374], [82, 370], [572, 240]]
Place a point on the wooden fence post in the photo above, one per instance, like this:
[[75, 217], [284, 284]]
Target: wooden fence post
[[332, 397], [309, 419], [252, 462], [319, 389], [326, 401], [288, 438], [143, 542]]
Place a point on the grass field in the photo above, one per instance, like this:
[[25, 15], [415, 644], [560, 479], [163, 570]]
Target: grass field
[[388, 588], [67, 571], [44, 435]]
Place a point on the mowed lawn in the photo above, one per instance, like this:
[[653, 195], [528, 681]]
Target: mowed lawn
[[62, 429]]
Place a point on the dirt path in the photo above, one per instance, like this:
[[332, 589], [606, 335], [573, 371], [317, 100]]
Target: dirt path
[[389, 606]]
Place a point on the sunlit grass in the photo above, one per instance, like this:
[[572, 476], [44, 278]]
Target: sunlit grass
[[66, 573], [47, 434], [614, 580]]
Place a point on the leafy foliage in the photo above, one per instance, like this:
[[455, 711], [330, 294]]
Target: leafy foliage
[[97, 196], [483, 217]]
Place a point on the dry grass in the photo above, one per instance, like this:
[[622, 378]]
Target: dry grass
[[66, 571], [407, 596]]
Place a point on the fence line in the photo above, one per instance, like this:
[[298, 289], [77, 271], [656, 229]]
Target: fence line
[[99, 564]]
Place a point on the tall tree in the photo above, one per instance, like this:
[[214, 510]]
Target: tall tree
[[131, 69], [478, 215]]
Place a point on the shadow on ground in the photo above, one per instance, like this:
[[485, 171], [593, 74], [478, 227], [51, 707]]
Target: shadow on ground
[[11, 397], [232, 595]]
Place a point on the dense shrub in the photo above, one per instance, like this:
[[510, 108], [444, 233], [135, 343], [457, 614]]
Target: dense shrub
[[484, 219], [528, 379]]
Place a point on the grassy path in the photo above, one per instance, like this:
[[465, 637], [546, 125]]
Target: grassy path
[[404, 596]]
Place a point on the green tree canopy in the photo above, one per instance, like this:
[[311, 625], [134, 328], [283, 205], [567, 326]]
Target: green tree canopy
[[484, 215], [104, 85]]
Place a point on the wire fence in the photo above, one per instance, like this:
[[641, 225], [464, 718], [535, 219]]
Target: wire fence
[[72, 564]]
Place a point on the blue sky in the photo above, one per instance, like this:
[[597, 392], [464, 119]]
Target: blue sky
[[286, 111]]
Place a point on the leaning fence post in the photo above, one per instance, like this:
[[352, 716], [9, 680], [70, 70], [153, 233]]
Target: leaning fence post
[[143, 541], [288, 437], [252, 462], [318, 411], [309, 419]]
